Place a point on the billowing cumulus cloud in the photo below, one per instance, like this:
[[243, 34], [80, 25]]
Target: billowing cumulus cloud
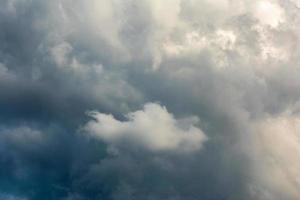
[[76, 79], [154, 127]]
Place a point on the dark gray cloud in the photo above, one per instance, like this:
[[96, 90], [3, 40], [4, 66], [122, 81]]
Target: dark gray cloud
[[189, 99]]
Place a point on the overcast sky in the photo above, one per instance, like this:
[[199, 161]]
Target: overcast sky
[[149, 100]]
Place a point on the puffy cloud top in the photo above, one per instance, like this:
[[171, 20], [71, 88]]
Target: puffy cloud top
[[154, 127]]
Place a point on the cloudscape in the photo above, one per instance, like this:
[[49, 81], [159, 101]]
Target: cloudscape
[[149, 100]]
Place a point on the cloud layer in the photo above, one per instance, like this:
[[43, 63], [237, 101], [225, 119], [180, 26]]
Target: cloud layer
[[225, 74]]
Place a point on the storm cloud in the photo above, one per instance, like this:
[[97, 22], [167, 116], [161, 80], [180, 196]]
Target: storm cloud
[[149, 99]]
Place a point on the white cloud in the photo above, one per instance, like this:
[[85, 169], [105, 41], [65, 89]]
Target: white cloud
[[277, 158], [269, 13], [296, 2], [165, 13], [192, 43], [102, 16], [153, 127], [226, 39]]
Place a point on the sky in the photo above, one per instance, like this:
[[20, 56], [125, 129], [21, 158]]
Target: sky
[[149, 100]]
